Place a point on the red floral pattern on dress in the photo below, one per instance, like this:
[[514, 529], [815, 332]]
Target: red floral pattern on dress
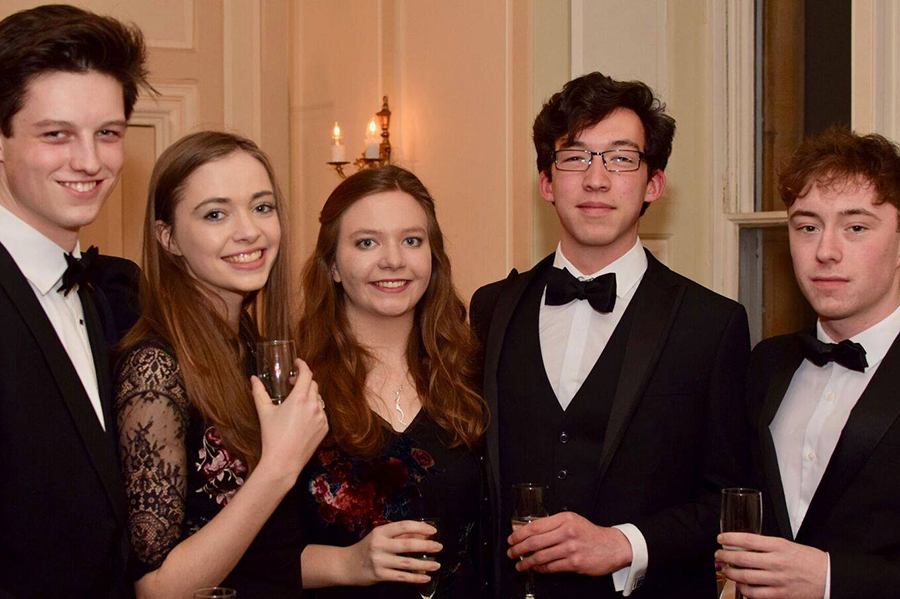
[[359, 494], [224, 474]]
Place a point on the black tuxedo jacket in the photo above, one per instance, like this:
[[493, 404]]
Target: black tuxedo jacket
[[62, 503], [676, 432], [855, 512]]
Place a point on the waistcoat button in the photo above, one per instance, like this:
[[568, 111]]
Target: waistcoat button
[[562, 474], [563, 437]]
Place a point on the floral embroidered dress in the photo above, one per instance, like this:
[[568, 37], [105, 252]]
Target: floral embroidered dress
[[415, 476], [178, 476]]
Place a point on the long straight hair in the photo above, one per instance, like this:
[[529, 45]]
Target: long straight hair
[[441, 350], [176, 308]]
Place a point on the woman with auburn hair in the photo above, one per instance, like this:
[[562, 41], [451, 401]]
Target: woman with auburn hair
[[208, 459], [386, 334]]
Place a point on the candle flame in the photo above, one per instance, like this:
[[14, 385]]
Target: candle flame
[[372, 128], [336, 134]]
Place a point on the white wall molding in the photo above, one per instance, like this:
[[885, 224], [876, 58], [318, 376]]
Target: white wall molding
[[732, 38], [875, 84], [172, 114], [187, 42], [242, 67]]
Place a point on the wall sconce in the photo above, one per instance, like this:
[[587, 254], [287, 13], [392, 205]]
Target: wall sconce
[[376, 154]]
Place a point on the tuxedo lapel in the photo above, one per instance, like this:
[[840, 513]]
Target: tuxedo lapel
[[778, 386], [655, 304], [99, 447], [510, 294], [871, 417]]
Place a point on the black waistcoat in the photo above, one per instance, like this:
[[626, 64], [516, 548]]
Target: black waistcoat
[[539, 442]]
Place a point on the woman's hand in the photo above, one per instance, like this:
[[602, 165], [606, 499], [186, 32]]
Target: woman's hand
[[292, 431], [379, 557]]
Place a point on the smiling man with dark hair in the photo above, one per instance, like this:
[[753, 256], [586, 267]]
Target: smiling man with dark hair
[[69, 80]]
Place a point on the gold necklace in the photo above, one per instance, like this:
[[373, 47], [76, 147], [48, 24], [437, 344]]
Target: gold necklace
[[400, 414]]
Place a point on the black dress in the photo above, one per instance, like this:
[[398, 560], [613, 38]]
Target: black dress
[[178, 476], [415, 476]]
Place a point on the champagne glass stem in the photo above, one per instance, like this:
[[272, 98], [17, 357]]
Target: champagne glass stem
[[529, 584]]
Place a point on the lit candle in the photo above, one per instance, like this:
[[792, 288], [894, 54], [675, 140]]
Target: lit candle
[[338, 151], [371, 140]]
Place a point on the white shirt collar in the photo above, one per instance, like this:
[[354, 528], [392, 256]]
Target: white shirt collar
[[876, 340], [40, 260], [629, 268]]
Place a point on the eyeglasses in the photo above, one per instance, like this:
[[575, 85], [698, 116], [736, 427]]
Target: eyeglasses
[[614, 161]]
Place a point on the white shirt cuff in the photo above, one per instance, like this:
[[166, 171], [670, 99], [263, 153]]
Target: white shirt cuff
[[827, 594], [631, 577]]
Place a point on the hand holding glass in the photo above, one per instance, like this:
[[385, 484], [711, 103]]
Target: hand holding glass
[[427, 589], [741, 512], [215, 593], [528, 506], [275, 367]]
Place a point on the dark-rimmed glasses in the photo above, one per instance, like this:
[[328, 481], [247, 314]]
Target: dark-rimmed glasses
[[614, 161]]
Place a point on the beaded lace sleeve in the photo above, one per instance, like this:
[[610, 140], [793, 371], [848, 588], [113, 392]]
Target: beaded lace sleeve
[[152, 410]]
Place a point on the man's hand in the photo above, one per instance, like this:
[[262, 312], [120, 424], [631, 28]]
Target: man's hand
[[566, 542], [773, 568]]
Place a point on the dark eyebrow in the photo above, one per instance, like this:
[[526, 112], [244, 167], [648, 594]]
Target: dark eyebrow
[[255, 196], [68, 125], [859, 212], [619, 143]]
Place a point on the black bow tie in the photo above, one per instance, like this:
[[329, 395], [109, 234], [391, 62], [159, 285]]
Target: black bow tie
[[78, 270], [562, 288], [847, 353]]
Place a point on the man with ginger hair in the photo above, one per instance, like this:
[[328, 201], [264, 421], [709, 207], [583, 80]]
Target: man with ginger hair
[[824, 403]]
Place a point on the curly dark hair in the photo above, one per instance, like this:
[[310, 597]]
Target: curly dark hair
[[58, 37], [587, 100], [838, 156]]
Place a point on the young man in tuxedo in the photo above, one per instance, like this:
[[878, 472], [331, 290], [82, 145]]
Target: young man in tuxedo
[[610, 378], [824, 403], [68, 82]]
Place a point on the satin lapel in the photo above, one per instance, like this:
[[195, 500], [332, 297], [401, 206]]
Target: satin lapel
[[655, 304], [874, 413], [512, 291], [71, 391], [778, 386]]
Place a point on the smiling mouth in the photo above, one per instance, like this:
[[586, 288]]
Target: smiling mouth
[[244, 258], [80, 186], [391, 284]]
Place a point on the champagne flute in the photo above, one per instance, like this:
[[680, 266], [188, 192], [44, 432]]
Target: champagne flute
[[275, 367], [215, 593], [741, 512], [528, 506], [427, 589]]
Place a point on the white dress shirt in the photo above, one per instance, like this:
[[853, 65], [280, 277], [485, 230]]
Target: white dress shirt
[[813, 413], [43, 264], [572, 338]]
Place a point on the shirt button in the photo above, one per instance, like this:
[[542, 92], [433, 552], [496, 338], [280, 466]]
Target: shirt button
[[562, 474], [811, 456], [563, 437], [829, 397]]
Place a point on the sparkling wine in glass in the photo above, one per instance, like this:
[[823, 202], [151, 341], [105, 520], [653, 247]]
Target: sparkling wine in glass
[[215, 593], [741, 512], [275, 367], [528, 505], [427, 589]]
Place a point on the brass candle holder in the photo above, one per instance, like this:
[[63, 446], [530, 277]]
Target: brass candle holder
[[384, 148]]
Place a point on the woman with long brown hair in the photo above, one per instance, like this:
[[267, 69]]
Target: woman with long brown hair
[[208, 460], [386, 334]]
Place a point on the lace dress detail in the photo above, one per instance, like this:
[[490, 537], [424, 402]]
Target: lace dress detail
[[152, 411]]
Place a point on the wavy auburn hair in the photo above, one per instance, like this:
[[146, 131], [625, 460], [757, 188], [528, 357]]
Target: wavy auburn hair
[[441, 351], [175, 307]]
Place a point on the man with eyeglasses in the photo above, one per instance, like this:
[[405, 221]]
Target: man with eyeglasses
[[612, 380]]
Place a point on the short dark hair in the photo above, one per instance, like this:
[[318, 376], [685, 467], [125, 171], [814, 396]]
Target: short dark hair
[[839, 156], [58, 37], [587, 100]]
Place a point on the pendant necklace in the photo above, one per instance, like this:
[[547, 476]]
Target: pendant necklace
[[401, 416]]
